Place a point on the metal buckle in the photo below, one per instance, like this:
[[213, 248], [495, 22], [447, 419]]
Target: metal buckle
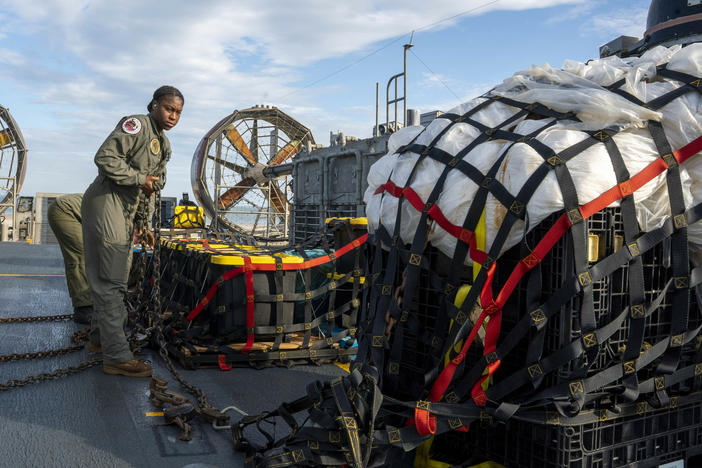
[[682, 282], [455, 423], [576, 387], [585, 279], [677, 340], [660, 383], [638, 311], [537, 316], [535, 371], [575, 216], [555, 160], [590, 340], [670, 160], [629, 367], [517, 207], [423, 404], [298, 455], [530, 260], [601, 135], [680, 221], [634, 249], [394, 436]]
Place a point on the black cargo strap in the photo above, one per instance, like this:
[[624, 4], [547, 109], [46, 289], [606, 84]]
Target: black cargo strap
[[679, 258]]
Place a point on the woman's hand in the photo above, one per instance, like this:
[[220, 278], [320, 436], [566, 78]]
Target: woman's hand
[[144, 237], [149, 186]]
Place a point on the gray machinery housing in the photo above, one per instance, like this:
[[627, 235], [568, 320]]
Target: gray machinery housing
[[329, 182]]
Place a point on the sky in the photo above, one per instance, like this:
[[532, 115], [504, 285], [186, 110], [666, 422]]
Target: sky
[[70, 69]]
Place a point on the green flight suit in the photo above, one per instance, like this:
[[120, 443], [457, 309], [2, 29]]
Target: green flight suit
[[113, 206], [65, 221]]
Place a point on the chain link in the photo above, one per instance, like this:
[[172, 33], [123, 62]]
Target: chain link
[[44, 377], [79, 338], [156, 321], [38, 318]]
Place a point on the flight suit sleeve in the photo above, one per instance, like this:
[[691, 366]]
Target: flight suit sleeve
[[111, 158]]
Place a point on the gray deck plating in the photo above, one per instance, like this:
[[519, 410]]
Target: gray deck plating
[[97, 420]]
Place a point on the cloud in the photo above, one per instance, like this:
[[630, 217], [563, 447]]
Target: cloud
[[434, 80], [626, 22], [90, 63]]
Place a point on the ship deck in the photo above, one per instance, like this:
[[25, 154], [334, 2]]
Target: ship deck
[[96, 420]]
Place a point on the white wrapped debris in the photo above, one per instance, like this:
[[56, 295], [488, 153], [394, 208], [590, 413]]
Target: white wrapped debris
[[578, 88]]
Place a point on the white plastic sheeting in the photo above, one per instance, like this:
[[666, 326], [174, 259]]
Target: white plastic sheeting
[[577, 88]]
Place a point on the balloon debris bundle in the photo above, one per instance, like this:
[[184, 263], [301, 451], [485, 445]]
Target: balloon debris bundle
[[535, 257]]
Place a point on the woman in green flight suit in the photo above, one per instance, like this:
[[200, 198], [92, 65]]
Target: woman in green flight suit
[[131, 167]]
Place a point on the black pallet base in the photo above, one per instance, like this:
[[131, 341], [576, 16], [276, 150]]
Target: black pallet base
[[644, 437], [191, 360]]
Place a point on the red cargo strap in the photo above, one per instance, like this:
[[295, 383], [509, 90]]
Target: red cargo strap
[[222, 361], [424, 421], [270, 267], [250, 319]]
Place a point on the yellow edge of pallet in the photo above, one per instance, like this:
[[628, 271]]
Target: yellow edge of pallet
[[255, 259], [352, 221], [228, 255], [338, 276]]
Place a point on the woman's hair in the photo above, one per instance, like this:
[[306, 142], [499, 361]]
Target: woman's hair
[[162, 92]]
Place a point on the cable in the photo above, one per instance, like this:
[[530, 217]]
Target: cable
[[435, 75], [349, 65]]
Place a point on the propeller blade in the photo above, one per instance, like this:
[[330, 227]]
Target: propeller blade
[[278, 199], [233, 195], [229, 165], [238, 142], [6, 137], [287, 152]]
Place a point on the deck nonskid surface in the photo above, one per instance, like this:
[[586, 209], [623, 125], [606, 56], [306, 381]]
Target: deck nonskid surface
[[93, 419]]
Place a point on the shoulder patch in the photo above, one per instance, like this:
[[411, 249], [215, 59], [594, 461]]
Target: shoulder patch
[[131, 126], [155, 146]]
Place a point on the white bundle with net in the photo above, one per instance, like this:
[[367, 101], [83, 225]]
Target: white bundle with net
[[559, 109]]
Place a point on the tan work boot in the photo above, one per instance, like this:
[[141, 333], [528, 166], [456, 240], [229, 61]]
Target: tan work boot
[[133, 368]]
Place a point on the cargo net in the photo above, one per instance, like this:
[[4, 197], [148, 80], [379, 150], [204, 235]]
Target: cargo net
[[531, 260], [229, 304]]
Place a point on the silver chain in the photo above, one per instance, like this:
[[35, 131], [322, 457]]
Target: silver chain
[[156, 322]]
